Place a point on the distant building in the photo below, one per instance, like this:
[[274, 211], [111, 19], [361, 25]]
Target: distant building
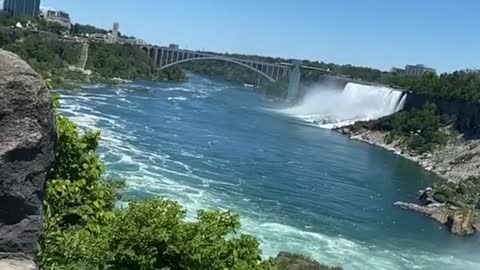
[[418, 70], [174, 46], [60, 17], [132, 41], [24, 8], [115, 33], [99, 37]]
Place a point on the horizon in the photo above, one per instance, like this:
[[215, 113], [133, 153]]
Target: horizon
[[437, 34]]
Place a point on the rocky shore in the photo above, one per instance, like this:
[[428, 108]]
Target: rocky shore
[[456, 161], [454, 202]]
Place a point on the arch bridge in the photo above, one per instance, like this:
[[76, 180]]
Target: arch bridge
[[165, 57]]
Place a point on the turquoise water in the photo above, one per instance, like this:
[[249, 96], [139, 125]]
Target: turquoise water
[[298, 188]]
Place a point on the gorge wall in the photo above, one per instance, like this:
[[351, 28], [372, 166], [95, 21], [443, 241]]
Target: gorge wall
[[27, 151], [466, 115]]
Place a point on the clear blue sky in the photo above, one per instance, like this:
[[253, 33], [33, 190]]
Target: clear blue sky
[[444, 34]]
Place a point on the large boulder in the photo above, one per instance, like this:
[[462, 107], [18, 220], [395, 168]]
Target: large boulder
[[27, 146]]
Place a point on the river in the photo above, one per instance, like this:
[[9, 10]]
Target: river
[[209, 144]]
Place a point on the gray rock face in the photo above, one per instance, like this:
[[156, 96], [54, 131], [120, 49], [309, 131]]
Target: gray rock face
[[27, 151]]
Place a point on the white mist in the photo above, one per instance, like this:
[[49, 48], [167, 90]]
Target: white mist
[[328, 107]]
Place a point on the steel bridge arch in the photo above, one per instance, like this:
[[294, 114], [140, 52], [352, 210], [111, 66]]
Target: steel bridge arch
[[235, 61]]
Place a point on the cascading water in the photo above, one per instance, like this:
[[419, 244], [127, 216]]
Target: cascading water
[[331, 108]]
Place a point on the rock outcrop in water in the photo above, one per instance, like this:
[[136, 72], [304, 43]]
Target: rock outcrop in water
[[458, 221], [455, 202], [453, 205], [27, 144]]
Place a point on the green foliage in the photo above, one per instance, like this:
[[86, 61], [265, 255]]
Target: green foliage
[[79, 29], [465, 194], [52, 27], [6, 20], [76, 154], [127, 62], [420, 129], [3, 39], [45, 54], [52, 58]]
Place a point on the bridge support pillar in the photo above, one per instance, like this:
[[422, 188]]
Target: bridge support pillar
[[294, 82]]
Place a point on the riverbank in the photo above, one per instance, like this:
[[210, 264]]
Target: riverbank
[[458, 160], [454, 202]]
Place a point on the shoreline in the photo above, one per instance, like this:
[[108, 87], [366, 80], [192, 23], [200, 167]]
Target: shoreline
[[455, 163]]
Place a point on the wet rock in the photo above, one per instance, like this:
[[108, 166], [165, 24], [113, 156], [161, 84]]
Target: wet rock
[[27, 144], [476, 223], [425, 197], [460, 222]]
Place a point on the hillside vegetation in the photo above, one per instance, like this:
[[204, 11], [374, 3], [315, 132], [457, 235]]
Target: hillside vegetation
[[127, 62], [55, 59], [420, 129]]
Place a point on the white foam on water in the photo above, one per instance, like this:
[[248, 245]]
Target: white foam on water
[[332, 108], [179, 89], [93, 86], [352, 255], [189, 154], [161, 175], [177, 98]]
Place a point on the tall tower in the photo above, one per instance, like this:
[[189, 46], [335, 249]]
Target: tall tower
[[27, 8], [116, 27]]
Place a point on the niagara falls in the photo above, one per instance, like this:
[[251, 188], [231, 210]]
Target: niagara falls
[[328, 106]]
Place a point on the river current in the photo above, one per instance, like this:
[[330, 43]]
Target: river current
[[209, 144]]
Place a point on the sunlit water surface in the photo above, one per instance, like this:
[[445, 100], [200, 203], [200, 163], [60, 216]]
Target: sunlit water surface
[[298, 188]]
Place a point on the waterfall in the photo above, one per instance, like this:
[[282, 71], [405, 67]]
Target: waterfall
[[84, 56], [331, 108]]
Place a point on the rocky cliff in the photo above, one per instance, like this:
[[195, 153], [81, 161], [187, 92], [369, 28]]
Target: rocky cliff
[[27, 144]]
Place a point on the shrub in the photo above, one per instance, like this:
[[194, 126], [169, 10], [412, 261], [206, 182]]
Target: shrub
[[289, 261]]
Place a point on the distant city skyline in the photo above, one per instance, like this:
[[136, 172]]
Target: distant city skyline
[[379, 34]]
